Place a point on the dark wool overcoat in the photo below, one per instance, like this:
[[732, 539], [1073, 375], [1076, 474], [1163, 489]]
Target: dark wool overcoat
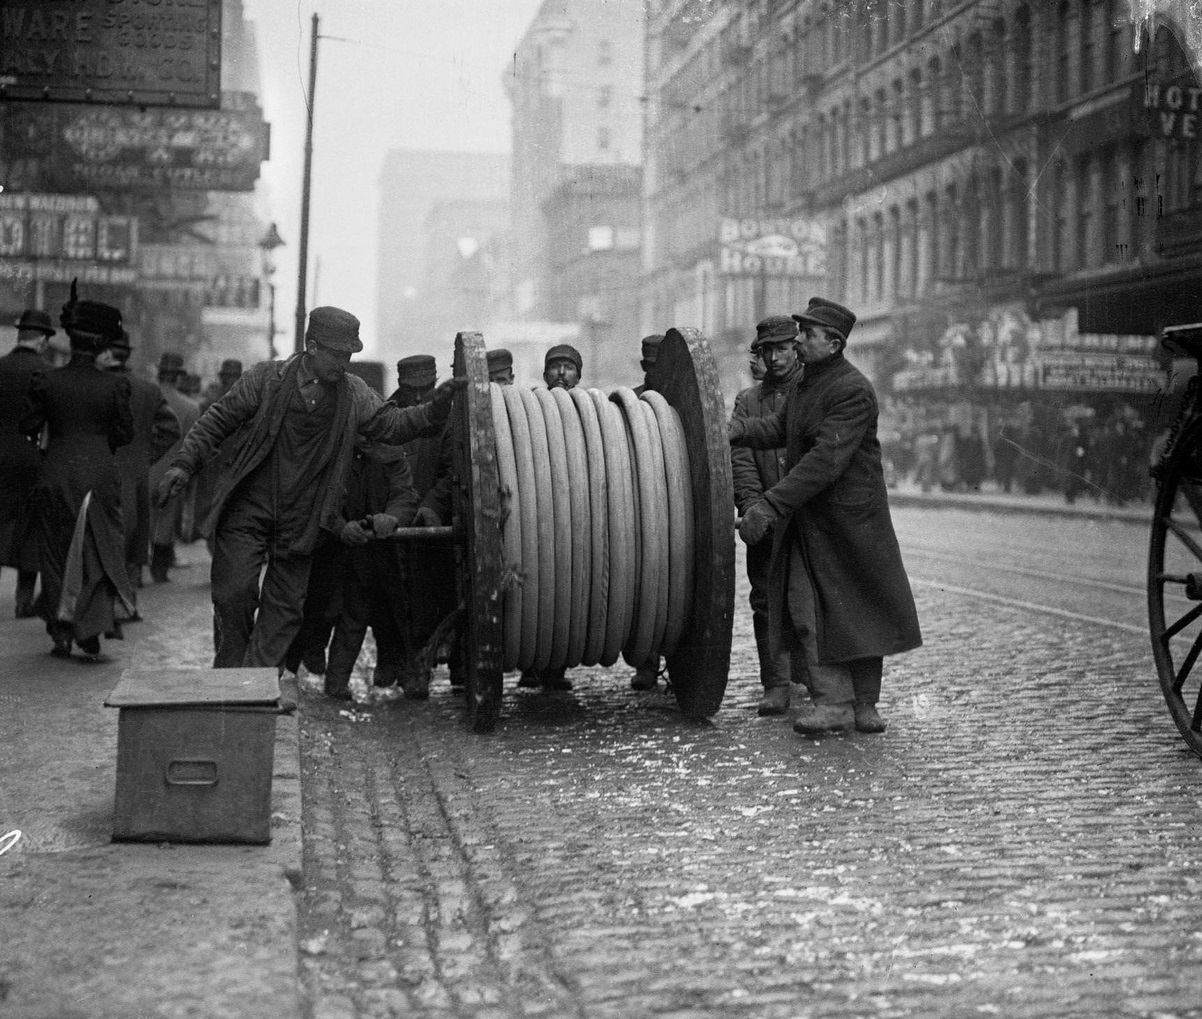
[[836, 509], [19, 459]]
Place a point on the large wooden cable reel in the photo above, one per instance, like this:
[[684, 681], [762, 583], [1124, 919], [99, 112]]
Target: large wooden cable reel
[[594, 525]]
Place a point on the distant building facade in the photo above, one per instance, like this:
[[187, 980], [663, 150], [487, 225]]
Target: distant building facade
[[425, 197], [575, 88]]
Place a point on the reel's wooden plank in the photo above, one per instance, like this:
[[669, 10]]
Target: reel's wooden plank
[[687, 378], [479, 509]]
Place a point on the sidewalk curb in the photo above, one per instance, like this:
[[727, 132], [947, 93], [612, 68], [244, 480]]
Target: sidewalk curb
[[994, 504]]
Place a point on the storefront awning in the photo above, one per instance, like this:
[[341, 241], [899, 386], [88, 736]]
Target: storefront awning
[[1135, 301]]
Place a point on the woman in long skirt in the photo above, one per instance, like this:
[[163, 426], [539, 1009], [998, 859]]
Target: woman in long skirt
[[77, 499]]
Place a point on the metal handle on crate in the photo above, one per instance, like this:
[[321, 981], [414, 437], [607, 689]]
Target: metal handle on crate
[[191, 771]]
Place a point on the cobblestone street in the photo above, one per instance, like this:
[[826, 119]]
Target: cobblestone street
[[1023, 841]]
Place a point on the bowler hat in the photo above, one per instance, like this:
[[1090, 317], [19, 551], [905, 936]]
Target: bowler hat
[[416, 371], [564, 352], [170, 361], [650, 347], [821, 312], [334, 329], [775, 327], [35, 318], [499, 359], [230, 366]]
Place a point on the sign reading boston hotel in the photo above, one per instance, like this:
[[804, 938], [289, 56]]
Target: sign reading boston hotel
[[784, 247], [135, 52]]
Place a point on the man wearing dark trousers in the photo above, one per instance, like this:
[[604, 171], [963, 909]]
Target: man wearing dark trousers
[[167, 521], [755, 472], [156, 429], [19, 457], [839, 590], [287, 479]]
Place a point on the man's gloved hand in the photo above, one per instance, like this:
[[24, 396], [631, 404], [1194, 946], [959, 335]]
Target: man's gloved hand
[[353, 533], [444, 396], [171, 484], [757, 520], [734, 432], [426, 517], [383, 524]]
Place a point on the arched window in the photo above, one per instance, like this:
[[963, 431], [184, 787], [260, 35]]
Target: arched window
[[928, 243], [1062, 235], [974, 75], [837, 129], [1020, 60], [876, 249], [915, 106], [1064, 51], [933, 97], [995, 69], [971, 218], [893, 256], [951, 253], [953, 86], [881, 122], [865, 129]]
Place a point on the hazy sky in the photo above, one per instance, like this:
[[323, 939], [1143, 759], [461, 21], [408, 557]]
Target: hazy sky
[[408, 75]]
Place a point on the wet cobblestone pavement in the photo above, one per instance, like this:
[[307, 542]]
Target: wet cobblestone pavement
[[1024, 841]]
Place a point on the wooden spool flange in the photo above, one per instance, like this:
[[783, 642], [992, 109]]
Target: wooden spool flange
[[699, 664]]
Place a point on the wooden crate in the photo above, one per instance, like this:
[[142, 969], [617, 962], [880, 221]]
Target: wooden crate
[[194, 754]]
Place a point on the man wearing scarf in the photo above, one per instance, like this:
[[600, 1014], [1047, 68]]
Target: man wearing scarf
[[286, 481]]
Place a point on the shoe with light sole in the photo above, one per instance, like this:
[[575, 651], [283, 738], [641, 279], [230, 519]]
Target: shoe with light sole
[[868, 719], [820, 719]]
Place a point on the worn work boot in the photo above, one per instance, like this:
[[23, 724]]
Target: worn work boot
[[416, 684], [314, 662], [775, 701], [338, 687], [818, 719], [645, 678], [868, 719], [160, 563]]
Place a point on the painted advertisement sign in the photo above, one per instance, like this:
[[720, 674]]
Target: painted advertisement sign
[[780, 247], [99, 147], [131, 52]]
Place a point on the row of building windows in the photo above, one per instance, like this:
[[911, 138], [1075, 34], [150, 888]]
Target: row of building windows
[[990, 74]]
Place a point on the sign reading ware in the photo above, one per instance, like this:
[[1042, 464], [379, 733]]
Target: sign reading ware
[[133, 52], [771, 247]]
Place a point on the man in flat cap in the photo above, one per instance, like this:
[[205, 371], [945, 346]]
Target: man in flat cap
[[646, 676], [840, 593], [19, 456], [168, 522], [562, 367], [755, 472], [429, 569], [286, 481], [156, 429], [500, 366]]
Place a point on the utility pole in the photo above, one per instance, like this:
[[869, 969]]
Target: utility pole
[[302, 270]]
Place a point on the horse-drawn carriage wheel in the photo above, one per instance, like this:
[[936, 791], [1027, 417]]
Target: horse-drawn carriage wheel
[[478, 511], [1175, 585]]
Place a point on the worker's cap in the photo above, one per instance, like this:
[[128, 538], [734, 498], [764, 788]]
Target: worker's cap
[[650, 346], [773, 328], [564, 352], [417, 371], [822, 312], [334, 329], [498, 360]]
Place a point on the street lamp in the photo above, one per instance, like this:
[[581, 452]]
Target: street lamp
[[271, 240]]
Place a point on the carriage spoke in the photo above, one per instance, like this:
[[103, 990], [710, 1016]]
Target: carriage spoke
[[1195, 722], [1183, 537], [1182, 623], [1188, 664]]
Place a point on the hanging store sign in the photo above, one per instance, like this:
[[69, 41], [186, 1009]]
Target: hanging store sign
[[121, 148], [1099, 373], [64, 227], [779, 247], [1174, 110], [130, 52]]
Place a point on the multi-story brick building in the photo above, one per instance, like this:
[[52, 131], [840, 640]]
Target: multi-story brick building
[[1008, 193]]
